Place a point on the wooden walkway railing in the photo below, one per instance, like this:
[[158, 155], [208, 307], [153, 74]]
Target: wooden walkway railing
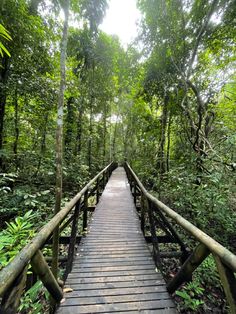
[[13, 276], [113, 270], [158, 216], [154, 214]]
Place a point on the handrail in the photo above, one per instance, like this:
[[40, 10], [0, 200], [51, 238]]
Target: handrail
[[225, 260], [215, 247], [17, 265]]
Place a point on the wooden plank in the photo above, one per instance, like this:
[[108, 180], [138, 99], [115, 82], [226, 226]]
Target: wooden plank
[[114, 299], [119, 260], [113, 268], [113, 255], [117, 233], [98, 243], [114, 228], [114, 237], [124, 273], [115, 291], [115, 251], [136, 278], [156, 311], [112, 262], [121, 285], [118, 307], [115, 245]]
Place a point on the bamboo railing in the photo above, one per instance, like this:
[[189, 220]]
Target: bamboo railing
[[13, 276], [157, 215]]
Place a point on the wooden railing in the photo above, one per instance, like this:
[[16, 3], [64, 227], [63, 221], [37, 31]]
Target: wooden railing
[[158, 217], [13, 276]]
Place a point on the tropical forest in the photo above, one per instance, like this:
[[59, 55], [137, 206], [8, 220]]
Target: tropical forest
[[80, 109]]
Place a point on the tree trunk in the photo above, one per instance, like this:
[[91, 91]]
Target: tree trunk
[[43, 144], [4, 67], [69, 127], [79, 132], [90, 137], [43, 141], [104, 134], [168, 145], [15, 145], [161, 150], [59, 133], [114, 142]]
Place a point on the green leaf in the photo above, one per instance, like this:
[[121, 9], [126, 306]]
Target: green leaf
[[3, 48], [183, 295]]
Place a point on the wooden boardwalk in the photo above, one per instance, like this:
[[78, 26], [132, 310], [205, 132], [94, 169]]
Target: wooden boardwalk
[[113, 271]]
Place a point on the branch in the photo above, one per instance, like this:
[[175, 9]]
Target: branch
[[200, 34]]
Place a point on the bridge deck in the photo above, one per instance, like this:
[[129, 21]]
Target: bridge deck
[[113, 271]]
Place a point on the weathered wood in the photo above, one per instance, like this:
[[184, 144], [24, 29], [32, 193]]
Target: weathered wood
[[118, 307], [11, 298], [228, 282], [65, 240], [142, 217], [172, 232], [156, 251], [161, 239], [86, 264], [119, 285], [97, 299], [113, 280], [61, 259], [85, 211], [119, 269], [66, 224], [116, 291], [113, 265], [226, 256], [171, 254], [71, 249], [15, 267], [103, 181], [97, 191], [185, 273], [135, 195], [41, 268], [116, 259]]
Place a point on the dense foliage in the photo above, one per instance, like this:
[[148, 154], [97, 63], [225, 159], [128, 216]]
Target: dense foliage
[[167, 107]]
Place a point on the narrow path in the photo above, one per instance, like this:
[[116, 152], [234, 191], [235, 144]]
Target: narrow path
[[114, 271]]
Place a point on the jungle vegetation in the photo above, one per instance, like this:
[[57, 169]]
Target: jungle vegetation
[[72, 99]]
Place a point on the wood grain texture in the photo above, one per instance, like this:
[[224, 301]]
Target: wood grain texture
[[113, 271]]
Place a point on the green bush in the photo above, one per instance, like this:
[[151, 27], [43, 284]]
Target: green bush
[[15, 236]]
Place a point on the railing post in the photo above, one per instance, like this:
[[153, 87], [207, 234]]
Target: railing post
[[143, 214], [41, 268], [155, 243], [228, 282], [103, 181], [85, 212], [11, 298], [167, 227], [131, 184], [71, 249], [185, 272], [135, 194], [97, 191], [107, 176]]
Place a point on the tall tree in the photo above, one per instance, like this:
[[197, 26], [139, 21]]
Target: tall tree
[[59, 132]]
